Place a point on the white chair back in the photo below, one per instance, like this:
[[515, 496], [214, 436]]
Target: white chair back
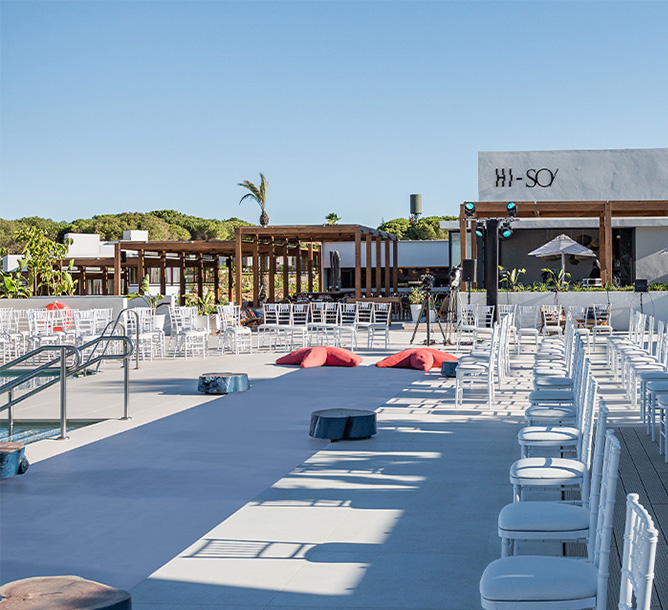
[[640, 539], [300, 314], [527, 316], [382, 313]]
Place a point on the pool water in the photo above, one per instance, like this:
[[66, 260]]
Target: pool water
[[31, 431]]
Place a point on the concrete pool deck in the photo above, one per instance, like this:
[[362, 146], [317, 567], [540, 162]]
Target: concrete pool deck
[[202, 502]]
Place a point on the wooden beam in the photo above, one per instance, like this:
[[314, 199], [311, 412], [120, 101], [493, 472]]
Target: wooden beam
[[358, 265], [117, 268], [230, 279], [368, 265]]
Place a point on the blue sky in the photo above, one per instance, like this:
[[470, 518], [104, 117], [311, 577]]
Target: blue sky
[[346, 107]]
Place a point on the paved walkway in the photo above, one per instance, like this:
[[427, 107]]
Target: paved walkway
[[227, 503]]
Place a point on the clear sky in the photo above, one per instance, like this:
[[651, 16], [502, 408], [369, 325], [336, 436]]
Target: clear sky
[[345, 106]]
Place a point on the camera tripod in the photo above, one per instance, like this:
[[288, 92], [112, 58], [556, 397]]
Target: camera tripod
[[426, 309], [450, 304]]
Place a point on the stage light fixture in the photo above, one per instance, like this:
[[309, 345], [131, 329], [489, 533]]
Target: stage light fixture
[[469, 209], [506, 230], [511, 209], [480, 229]]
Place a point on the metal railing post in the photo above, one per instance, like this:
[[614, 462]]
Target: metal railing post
[[63, 394], [10, 414], [126, 388]]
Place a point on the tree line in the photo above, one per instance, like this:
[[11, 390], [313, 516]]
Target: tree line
[[170, 225]]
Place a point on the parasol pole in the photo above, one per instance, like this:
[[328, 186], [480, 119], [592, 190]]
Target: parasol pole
[[563, 264]]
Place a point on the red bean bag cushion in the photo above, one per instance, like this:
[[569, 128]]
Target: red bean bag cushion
[[421, 358], [337, 356], [307, 357]]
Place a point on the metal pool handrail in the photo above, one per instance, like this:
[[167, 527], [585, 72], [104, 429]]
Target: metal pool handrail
[[60, 374]]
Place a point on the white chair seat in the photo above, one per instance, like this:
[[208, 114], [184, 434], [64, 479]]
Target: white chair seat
[[553, 414], [536, 471], [557, 396], [543, 517], [654, 375], [534, 578], [547, 435], [553, 382]]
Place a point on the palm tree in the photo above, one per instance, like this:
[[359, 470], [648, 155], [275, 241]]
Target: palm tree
[[259, 195]]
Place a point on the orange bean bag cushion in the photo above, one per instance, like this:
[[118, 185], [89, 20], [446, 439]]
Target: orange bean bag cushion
[[309, 357], [421, 358]]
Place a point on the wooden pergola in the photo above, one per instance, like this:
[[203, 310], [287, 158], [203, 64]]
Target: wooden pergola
[[303, 243], [604, 210], [276, 238]]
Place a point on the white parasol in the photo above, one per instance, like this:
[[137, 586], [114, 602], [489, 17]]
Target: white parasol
[[561, 246]]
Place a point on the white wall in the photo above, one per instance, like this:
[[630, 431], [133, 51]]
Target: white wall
[[574, 175], [621, 303], [117, 303], [427, 253], [88, 245]]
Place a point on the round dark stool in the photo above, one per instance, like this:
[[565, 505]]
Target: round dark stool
[[223, 383], [62, 593], [449, 368], [339, 424], [12, 459]]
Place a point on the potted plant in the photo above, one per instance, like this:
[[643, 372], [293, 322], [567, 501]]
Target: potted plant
[[415, 298], [206, 306], [153, 301]]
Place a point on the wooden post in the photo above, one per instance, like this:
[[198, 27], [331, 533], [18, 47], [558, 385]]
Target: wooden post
[[379, 273], [200, 275], [82, 280], [163, 273], [216, 277], [388, 286], [140, 268], [603, 254], [256, 271], [368, 265], [298, 267], [321, 269], [117, 268], [230, 278], [286, 272], [182, 277], [395, 265], [358, 264], [105, 281], [309, 266], [272, 270], [238, 266], [607, 221]]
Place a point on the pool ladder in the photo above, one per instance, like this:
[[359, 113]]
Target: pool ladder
[[58, 370]]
